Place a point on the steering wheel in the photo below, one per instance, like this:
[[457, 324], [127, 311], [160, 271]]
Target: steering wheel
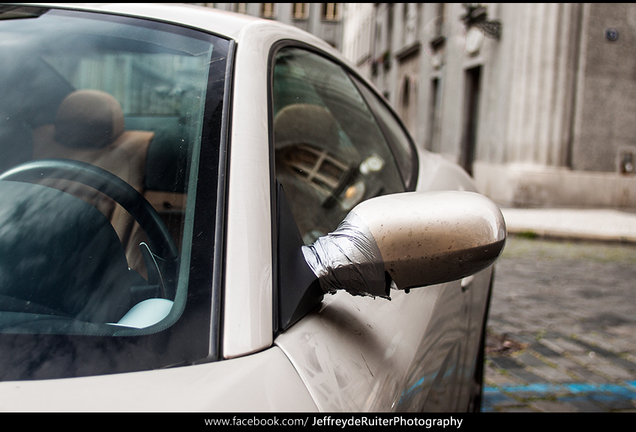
[[160, 241]]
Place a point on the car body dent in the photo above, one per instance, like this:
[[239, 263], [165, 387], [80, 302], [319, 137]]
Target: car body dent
[[257, 383], [356, 353]]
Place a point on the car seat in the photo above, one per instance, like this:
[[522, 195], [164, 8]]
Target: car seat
[[89, 127]]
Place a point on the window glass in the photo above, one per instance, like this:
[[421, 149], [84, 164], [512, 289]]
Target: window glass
[[401, 143], [300, 11], [330, 152], [267, 10], [102, 124], [330, 11]]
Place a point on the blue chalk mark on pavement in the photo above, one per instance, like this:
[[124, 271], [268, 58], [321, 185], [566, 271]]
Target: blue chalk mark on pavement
[[606, 395]]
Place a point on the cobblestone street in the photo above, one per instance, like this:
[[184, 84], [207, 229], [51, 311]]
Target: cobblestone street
[[562, 328]]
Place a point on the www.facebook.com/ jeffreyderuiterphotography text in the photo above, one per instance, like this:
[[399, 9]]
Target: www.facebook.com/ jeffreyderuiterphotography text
[[334, 421]]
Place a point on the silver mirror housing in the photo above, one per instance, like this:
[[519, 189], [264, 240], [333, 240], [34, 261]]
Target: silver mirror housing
[[415, 238]]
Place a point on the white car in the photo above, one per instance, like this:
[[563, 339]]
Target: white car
[[203, 211]]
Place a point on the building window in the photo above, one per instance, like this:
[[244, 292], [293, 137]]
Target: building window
[[330, 11], [406, 92], [240, 7], [433, 113], [300, 11], [267, 10]]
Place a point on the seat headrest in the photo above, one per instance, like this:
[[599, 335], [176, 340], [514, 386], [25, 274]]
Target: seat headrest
[[88, 119], [305, 124]]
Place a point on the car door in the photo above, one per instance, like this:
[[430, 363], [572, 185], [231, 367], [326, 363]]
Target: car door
[[331, 152]]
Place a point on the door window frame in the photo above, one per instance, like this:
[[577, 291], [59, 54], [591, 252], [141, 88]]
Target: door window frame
[[409, 180]]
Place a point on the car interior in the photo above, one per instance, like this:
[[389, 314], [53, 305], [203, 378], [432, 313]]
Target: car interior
[[54, 109]]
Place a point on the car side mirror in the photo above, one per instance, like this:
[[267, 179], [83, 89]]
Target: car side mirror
[[414, 239], [401, 241]]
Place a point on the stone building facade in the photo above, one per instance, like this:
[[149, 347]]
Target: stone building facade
[[536, 101], [320, 19]]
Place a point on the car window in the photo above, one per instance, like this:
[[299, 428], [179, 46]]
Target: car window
[[401, 144], [330, 153], [102, 125]]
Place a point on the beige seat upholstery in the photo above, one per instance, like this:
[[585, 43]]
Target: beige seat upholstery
[[89, 127]]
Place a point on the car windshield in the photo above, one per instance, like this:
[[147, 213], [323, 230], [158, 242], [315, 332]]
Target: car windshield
[[102, 124]]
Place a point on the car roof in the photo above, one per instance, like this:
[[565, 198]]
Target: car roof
[[227, 24]]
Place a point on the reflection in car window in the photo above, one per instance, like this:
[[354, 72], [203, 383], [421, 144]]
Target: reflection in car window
[[401, 144], [102, 123], [330, 153]]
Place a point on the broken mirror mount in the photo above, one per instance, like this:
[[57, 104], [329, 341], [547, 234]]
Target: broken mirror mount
[[402, 241]]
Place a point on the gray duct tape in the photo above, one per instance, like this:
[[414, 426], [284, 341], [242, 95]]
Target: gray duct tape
[[349, 259]]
